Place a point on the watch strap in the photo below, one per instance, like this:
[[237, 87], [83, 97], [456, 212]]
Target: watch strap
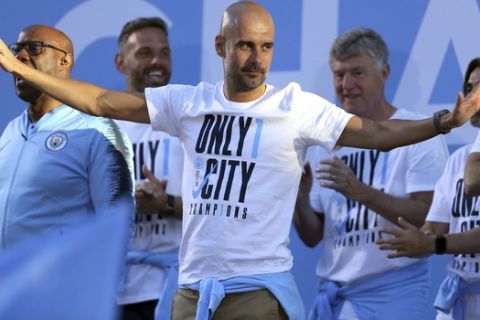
[[440, 244], [436, 121]]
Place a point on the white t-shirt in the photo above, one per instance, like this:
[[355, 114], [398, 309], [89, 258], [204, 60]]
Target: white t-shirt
[[243, 163], [476, 144], [451, 205], [163, 155], [349, 251]]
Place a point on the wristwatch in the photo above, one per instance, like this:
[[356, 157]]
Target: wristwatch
[[169, 209], [440, 244], [436, 121]]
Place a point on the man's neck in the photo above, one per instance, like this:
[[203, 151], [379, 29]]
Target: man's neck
[[388, 112], [40, 107], [245, 96], [380, 113]]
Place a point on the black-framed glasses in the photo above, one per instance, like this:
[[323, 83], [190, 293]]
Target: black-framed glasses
[[34, 48]]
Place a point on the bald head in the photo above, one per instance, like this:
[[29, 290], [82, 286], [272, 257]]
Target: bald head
[[240, 12], [53, 35], [50, 35], [46, 49], [245, 43]]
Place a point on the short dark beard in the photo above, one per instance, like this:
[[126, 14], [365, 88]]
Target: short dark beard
[[241, 84]]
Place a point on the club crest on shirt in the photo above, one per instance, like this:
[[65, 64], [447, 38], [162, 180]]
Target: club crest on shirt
[[56, 141]]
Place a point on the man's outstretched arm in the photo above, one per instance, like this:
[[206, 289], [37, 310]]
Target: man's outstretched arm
[[390, 134], [83, 96]]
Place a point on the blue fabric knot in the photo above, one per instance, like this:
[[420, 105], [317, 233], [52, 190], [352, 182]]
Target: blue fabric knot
[[168, 261], [280, 284], [326, 298], [211, 294], [451, 293], [371, 297]]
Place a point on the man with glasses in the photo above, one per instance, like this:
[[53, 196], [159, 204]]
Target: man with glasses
[[34, 48], [59, 167]]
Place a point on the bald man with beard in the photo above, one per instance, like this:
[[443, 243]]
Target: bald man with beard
[[244, 143], [59, 167]]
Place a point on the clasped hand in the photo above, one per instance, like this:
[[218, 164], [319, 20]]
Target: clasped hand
[[150, 195]]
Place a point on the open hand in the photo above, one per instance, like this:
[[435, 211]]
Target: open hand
[[409, 241], [335, 174], [464, 109], [8, 61]]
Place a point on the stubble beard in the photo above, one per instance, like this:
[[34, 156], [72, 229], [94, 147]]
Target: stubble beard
[[245, 84]]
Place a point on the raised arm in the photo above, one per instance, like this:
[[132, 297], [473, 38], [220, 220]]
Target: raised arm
[[389, 134], [83, 96]]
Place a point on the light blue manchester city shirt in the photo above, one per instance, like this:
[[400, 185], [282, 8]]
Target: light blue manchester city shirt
[[59, 172]]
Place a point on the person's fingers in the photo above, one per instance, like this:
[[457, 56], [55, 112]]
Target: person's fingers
[[328, 162], [6, 57], [307, 169], [474, 92], [163, 184], [337, 162], [393, 242], [474, 98], [397, 254], [392, 231], [156, 187], [383, 241], [141, 196], [149, 174], [390, 247], [461, 98], [330, 185], [384, 246], [328, 176], [405, 225]]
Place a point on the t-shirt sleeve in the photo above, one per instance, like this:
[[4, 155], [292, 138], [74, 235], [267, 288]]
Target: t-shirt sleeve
[[426, 162], [476, 144], [175, 168], [162, 107], [440, 209], [321, 122], [313, 157]]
